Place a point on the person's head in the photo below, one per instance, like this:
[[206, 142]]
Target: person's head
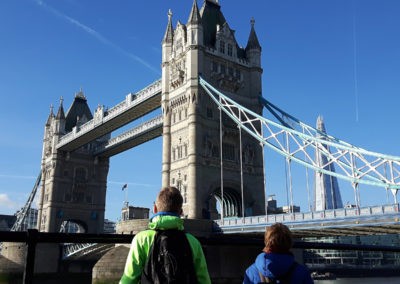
[[169, 199], [278, 239]]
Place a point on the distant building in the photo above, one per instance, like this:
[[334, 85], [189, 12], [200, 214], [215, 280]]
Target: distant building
[[131, 212], [327, 193], [272, 207], [109, 227], [6, 222], [325, 259]]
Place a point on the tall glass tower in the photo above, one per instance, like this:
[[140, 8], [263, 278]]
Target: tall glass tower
[[326, 194]]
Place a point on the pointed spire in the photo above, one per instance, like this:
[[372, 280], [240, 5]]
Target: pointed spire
[[51, 115], [169, 33], [253, 42], [321, 124], [194, 17], [60, 113]]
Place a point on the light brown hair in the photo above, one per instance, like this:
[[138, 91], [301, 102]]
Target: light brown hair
[[169, 199], [278, 239]]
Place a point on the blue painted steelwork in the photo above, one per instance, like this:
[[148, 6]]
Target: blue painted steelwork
[[352, 163]]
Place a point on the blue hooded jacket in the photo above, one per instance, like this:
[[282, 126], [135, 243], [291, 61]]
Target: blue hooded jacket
[[275, 265]]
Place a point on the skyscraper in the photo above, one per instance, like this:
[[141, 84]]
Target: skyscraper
[[326, 194]]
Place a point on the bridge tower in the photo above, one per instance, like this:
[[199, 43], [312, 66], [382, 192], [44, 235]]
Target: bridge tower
[[73, 187], [206, 46]]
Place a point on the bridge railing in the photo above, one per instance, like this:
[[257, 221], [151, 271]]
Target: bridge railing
[[33, 237], [310, 216]]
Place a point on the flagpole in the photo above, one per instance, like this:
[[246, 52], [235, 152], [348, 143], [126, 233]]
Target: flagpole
[[125, 188]]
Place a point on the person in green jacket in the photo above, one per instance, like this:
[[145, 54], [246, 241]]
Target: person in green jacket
[[167, 209]]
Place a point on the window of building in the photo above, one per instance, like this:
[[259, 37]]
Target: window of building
[[80, 175], [237, 75], [223, 69], [228, 151], [214, 66], [184, 194], [230, 71], [173, 154], [222, 46], [230, 49]]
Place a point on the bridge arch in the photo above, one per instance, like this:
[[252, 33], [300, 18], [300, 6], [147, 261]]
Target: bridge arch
[[73, 226], [230, 203]]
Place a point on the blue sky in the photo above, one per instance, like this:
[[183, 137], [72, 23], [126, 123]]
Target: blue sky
[[337, 58]]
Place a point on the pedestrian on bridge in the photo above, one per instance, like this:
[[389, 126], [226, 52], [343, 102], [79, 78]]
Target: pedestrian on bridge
[[165, 253], [276, 263]]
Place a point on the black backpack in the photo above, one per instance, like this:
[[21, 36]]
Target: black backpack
[[283, 279], [170, 259]]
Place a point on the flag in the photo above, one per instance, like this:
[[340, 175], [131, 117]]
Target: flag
[[125, 186]]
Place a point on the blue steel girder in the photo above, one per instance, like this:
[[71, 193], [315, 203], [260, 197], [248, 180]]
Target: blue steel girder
[[105, 121], [297, 142]]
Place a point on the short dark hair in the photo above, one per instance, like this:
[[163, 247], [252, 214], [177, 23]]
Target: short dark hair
[[169, 199], [278, 238]]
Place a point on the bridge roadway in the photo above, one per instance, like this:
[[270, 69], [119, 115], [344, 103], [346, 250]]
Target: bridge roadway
[[373, 220], [105, 121]]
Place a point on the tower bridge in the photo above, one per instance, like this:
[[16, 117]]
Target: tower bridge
[[216, 126], [214, 134]]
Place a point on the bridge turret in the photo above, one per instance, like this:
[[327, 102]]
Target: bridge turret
[[166, 57], [253, 47], [60, 119], [167, 40], [194, 26]]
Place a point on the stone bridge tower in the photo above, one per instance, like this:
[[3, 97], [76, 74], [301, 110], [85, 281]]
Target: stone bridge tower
[[73, 189], [206, 46]]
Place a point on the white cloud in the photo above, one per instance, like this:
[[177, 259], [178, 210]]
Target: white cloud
[[6, 202]]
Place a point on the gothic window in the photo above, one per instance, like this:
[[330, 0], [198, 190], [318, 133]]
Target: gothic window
[[173, 117], [238, 75], [230, 71], [173, 180], [185, 150], [173, 155], [184, 194], [180, 115], [180, 152], [223, 69], [214, 66], [185, 113], [222, 46], [228, 151], [230, 49], [80, 175]]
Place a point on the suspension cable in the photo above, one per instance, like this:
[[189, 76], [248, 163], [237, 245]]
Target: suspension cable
[[221, 162], [241, 164]]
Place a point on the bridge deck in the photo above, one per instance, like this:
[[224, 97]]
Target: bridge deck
[[104, 122], [144, 132], [372, 220]]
